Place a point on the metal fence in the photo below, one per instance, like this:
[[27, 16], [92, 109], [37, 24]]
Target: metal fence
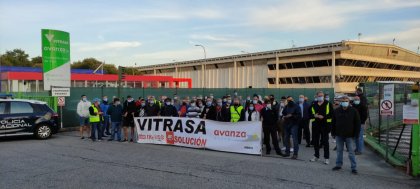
[[387, 134], [70, 118]]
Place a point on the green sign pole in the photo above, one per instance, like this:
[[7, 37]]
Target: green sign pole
[[55, 58], [415, 143]]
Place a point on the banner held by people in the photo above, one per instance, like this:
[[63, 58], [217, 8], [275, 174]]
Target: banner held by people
[[243, 137]]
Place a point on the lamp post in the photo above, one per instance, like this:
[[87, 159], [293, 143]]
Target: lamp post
[[204, 64]]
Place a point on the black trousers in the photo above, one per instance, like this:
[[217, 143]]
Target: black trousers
[[304, 127], [321, 130], [270, 131]]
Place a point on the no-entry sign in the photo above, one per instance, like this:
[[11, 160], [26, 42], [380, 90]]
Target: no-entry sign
[[387, 104], [61, 101]]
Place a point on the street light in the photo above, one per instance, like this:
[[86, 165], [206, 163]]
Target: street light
[[204, 65]]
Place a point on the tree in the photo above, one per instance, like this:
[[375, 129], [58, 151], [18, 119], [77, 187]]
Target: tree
[[16, 57], [92, 63], [36, 62]]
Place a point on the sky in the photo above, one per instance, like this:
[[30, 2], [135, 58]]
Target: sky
[[141, 32]]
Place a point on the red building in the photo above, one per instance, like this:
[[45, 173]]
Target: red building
[[14, 79]]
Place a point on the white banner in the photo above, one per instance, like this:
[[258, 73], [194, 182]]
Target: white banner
[[242, 137]]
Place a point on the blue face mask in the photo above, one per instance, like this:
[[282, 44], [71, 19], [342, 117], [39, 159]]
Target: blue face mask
[[320, 99], [219, 104], [84, 99], [254, 101], [143, 104], [301, 99], [345, 104], [357, 102], [208, 103], [251, 108]]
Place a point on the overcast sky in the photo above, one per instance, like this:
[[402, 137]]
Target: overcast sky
[[126, 32]]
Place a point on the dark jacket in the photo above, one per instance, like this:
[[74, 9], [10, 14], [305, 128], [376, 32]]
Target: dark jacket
[[306, 110], [225, 113], [321, 110], [209, 112], [363, 112], [269, 116], [152, 110], [169, 111], [115, 113], [346, 123], [293, 109]]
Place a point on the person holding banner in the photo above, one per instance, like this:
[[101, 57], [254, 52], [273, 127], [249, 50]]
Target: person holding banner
[[152, 109], [252, 114], [168, 109], [209, 112], [193, 111], [237, 111], [219, 110], [269, 120]]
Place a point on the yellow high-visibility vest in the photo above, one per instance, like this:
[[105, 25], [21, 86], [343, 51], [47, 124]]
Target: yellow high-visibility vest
[[235, 114], [94, 118], [326, 113]]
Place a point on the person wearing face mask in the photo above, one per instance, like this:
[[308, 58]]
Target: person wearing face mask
[[209, 111], [115, 112], [129, 109], [182, 112], [327, 97], [292, 116], [251, 114], [193, 111], [269, 119], [168, 109], [256, 102], [226, 110], [321, 114], [280, 122], [304, 122], [83, 113], [363, 113], [105, 122], [219, 108], [345, 128], [141, 110], [152, 109], [200, 105], [95, 120], [236, 111]]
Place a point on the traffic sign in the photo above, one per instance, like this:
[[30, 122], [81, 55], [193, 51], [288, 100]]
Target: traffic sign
[[61, 101], [387, 107]]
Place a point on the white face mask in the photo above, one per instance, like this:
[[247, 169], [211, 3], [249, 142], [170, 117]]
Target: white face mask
[[269, 106]]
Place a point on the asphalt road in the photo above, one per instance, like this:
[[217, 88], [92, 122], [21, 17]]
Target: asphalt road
[[65, 161]]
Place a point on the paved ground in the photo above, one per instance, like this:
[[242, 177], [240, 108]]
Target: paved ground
[[65, 161]]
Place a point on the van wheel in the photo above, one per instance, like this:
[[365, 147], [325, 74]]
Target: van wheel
[[43, 132]]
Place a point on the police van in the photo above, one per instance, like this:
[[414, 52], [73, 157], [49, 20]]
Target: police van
[[27, 117]]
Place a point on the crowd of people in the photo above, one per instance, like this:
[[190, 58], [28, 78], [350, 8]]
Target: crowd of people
[[284, 121]]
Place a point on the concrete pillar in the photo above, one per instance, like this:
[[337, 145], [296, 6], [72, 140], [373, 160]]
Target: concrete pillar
[[176, 71], [202, 76], [154, 71], [333, 70]]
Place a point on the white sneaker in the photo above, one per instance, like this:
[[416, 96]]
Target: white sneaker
[[283, 149], [313, 159], [291, 149], [326, 161]]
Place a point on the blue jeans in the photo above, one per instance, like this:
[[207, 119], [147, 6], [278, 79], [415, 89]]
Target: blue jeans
[[105, 125], [340, 145], [116, 130], [292, 129], [96, 128], [359, 141]]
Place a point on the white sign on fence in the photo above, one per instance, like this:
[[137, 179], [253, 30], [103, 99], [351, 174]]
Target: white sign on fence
[[60, 91], [387, 104], [243, 137], [411, 112]]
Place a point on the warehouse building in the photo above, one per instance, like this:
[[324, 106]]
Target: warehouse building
[[340, 65]]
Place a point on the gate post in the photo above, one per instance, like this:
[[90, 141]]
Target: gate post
[[415, 144]]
